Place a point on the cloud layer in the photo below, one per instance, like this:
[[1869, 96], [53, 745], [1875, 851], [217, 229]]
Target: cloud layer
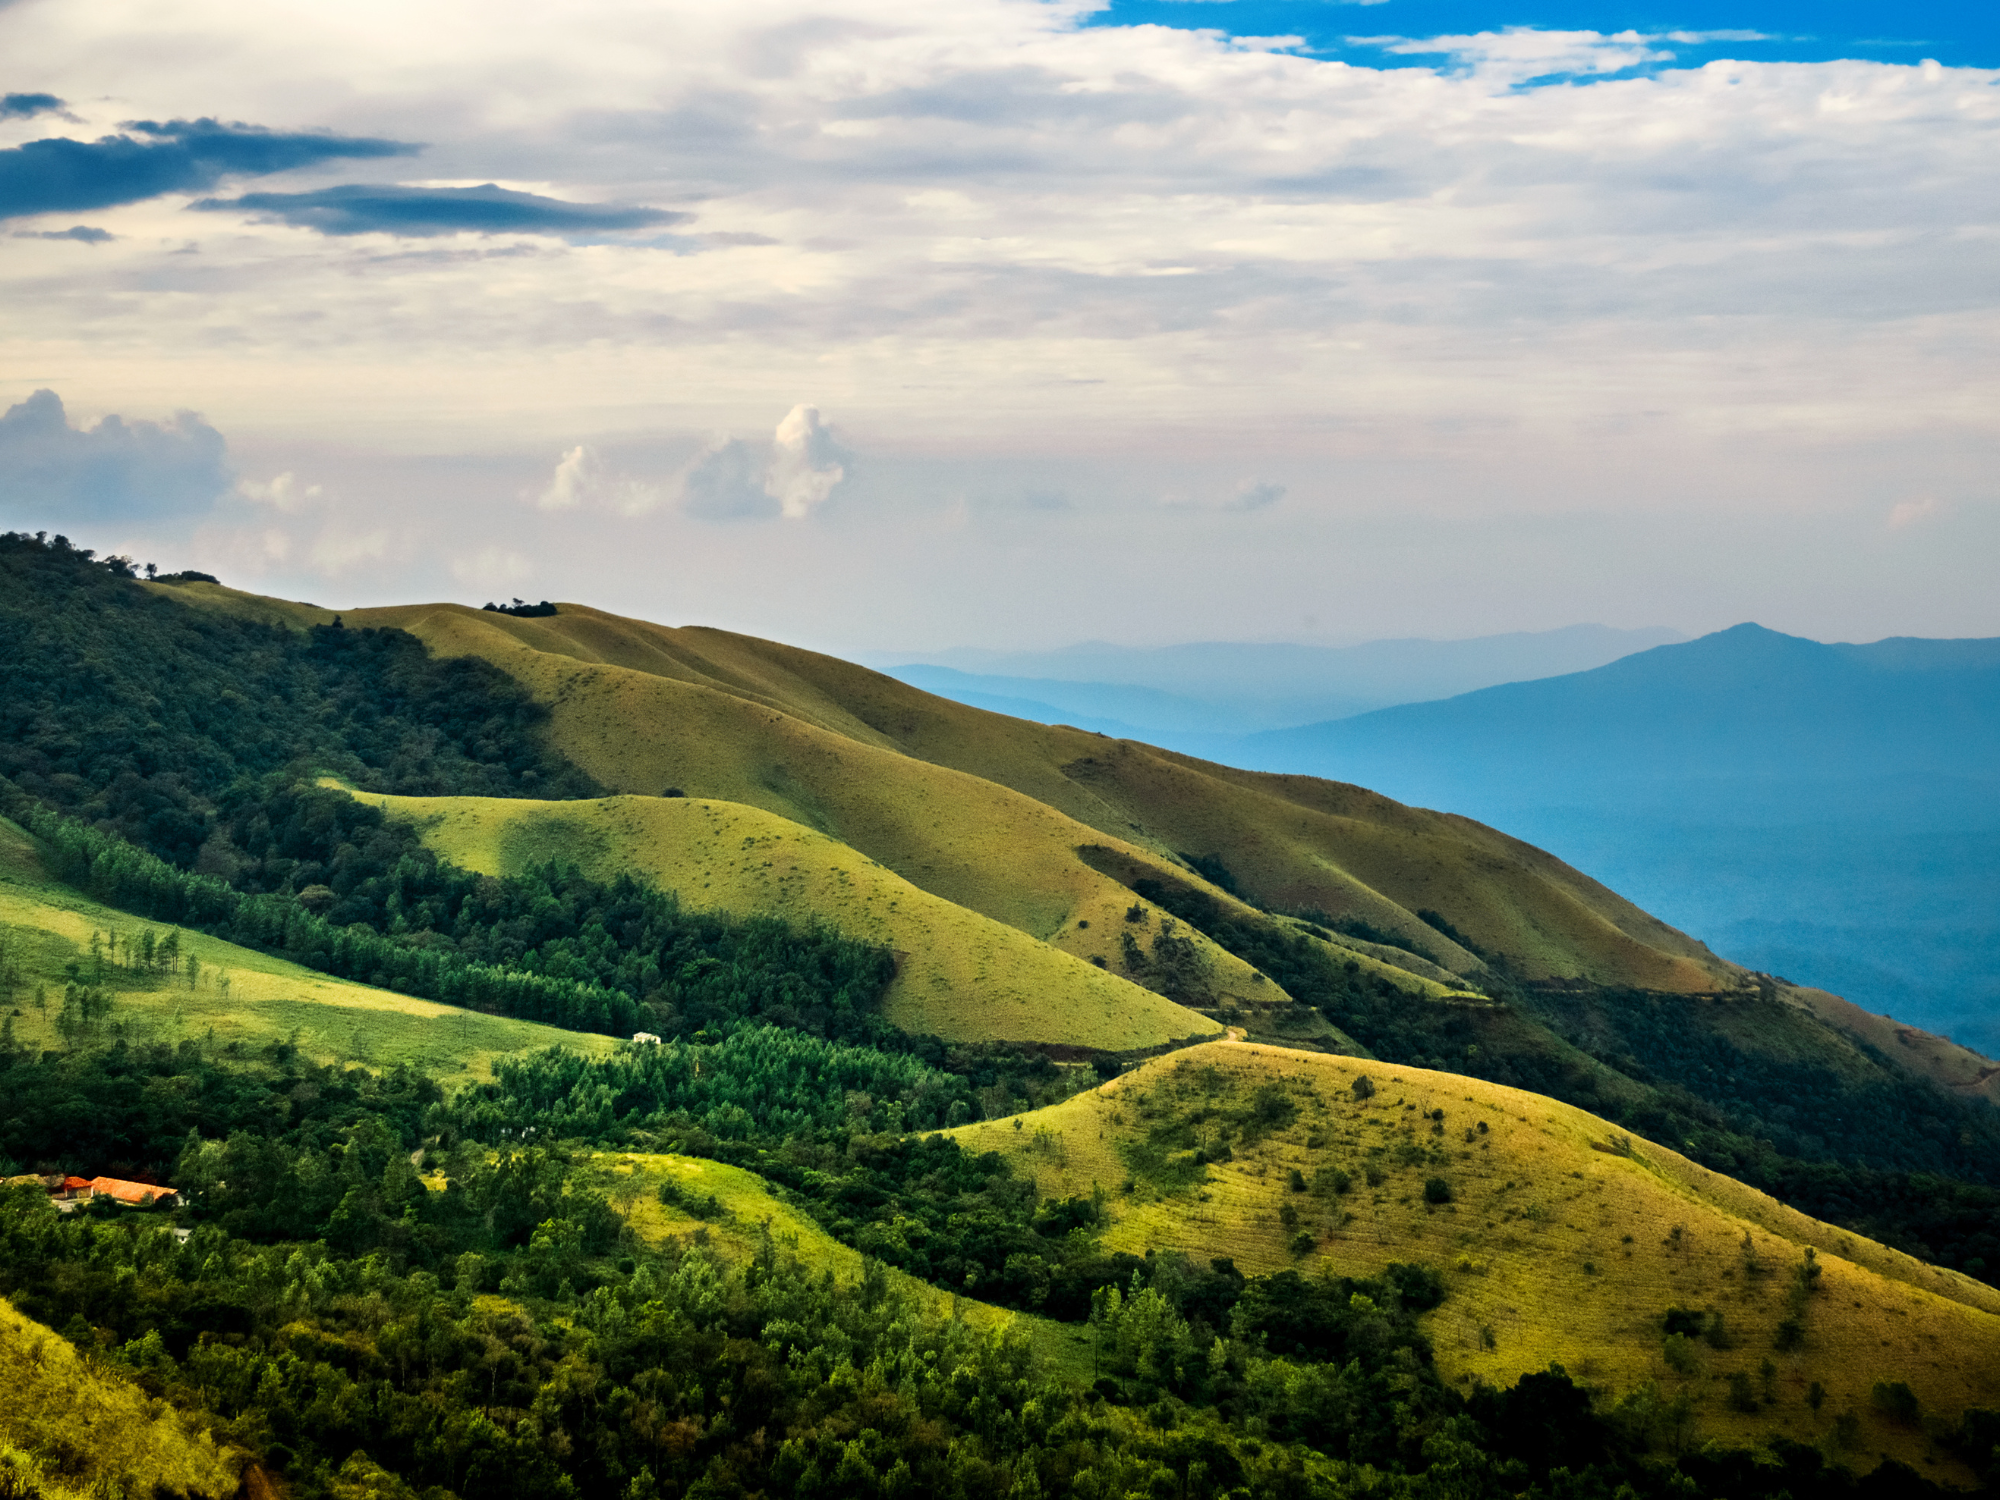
[[58, 175], [355, 208], [111, 471]]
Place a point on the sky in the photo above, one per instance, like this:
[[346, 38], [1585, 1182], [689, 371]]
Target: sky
[[1011, 323]]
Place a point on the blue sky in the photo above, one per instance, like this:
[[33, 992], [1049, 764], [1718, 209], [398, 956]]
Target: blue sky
[[1957, 35]]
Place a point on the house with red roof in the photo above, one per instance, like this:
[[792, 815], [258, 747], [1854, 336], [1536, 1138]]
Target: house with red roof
[[133, 1194]]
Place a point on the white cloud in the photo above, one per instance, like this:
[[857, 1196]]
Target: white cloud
[[1910, 512], [725, 482], [284, 493], [807, 465], [1132, 260], [580, 478], [56, 471], [492, 568], [1523, 52], [575, 479]]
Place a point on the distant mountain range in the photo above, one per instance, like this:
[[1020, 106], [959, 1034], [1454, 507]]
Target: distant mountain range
[[1232, 688], [1829, 812]]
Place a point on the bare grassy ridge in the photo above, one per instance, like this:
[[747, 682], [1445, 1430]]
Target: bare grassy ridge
[[239, 995], [989, 811], [960, 975], [1563, 1241], [71, 1425]]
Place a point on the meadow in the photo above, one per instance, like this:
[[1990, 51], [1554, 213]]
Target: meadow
[[1563, 1240], [54, 937]]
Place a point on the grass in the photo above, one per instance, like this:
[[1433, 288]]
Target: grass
[[960, 975], [72, 1426], [990, 812], [1563, 1240], [986, 810], [242, 996], [750, 1212]]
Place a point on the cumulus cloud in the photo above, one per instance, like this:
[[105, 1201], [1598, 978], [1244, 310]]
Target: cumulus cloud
[[807, 465], [355, 208], [726, 483], [285, 493], [114, 469], [790, 477], [576, 478], [59, 175], [581, 479]]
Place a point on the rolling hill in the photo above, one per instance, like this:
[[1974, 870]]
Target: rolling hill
[[936, 791], [1830, 812], [51, 936], [880, 948], [1567, 1240]]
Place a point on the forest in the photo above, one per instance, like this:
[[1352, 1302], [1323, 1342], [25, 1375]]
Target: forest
[[385, 1293]]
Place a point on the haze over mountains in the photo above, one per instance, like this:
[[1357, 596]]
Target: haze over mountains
[[1827, 812], [1231, 688]]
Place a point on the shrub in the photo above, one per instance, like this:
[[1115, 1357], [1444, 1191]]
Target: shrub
[[1436, 1190], [1364, 1087], [1302, 1244], [1678, 1351], [1896, 1401]]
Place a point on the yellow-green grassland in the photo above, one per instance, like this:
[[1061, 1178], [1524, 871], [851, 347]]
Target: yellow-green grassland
[[1562, 1239], [1019, 821], [959, 975], [72, 1425], [53, 938]]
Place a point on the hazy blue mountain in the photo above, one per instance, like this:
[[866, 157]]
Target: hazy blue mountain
[[1827, 812], [1228, 688]]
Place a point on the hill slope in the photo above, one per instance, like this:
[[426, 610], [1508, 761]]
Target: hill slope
[[1562, 1238], [1831, 812], [48, 933], [85, 1430], [937, 791], [959, 975]]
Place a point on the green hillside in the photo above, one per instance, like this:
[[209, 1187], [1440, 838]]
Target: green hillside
[[50, 935], [72, 1428], [1565, 1240], [343, 925], [959, 975], [871, 761]]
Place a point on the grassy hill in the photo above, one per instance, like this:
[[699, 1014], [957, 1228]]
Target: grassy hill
[[960, 975], [991, 812], [239, 996], [736, 1215], [72, 1426], [1561, 1239]]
